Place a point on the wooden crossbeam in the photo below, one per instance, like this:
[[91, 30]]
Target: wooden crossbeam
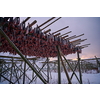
[[50, 23], [17, 57], [57, 34], [76, 44], [34, 22], [84, 45], [71, 37], [46, 22], [79, 36], [47, 31], [66, 33], [60, 29], [75, 40], [26, 19], [65, 36]]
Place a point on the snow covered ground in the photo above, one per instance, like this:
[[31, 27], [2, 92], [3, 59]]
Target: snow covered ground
[[91, 78], [88, 78]]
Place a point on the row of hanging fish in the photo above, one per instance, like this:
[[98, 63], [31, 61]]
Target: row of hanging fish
[[32, 41]]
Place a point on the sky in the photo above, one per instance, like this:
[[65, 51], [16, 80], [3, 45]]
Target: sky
[[78, 25]]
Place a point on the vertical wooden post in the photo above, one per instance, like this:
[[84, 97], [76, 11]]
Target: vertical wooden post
[[21, 67], [16, 73], [59, 72], [0, 70], [48, 68], [98, 63], [1, 67], [12, 68], [69, 81], [24, 71], [80, 74], [33, 71]]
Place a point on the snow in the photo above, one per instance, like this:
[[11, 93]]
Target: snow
[[91, 77], [88, 78]]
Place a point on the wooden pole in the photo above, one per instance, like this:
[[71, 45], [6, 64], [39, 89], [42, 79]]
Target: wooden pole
[[48, 68], [75, 41], [78, 41], [24, 71], [78, 36], [85, 45], [34, 22], [26, 19], [47, 31], [11, 69], [76, 44], [60, 29], [0, 70], [59, 53], [59, 71], [66, 33], [7, 79], [98, 63], [16, 73], [71, 37], [57, 34], [50, 23], [5, 70], [32, 71], [46, 21], [80, 74], [69, 82], [65, 36]]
